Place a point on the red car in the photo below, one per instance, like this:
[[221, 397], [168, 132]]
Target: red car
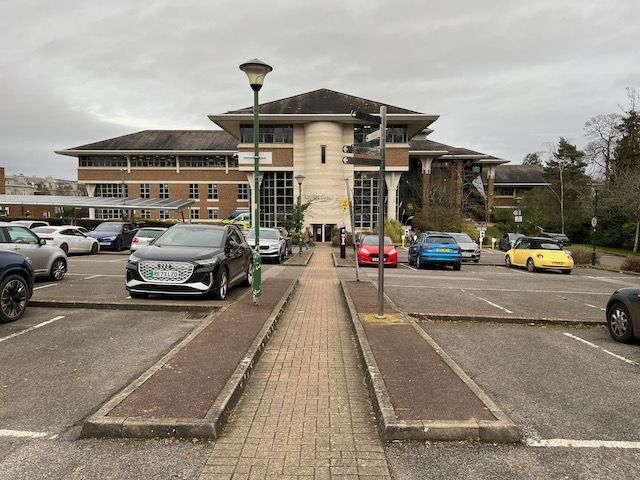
[[368, 252]]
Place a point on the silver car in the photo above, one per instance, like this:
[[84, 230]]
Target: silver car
[[470, 250], [272, 244], [47, 260]]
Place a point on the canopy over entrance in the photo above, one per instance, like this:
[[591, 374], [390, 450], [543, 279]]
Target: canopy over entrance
[[96, 202]]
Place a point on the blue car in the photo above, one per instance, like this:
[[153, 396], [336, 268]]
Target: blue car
[[114, 235], [16, 285], [434, 248]]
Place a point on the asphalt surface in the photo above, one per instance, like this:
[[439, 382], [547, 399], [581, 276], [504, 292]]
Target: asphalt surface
[[554, 386], [495, 291]]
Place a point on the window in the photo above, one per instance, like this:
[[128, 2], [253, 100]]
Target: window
[[395, 133], [111, 190], [505, 191], [212, 213], [144, 190], [146, 214], [203, 161], [194, 190], [22, 235], [164, 190], [103, 161], [323, 153], [194, 213], [365, 197], [243, 191], [267, 134], [153, 161], [276, 198], [164, 214], [108, 214], [213, 191]]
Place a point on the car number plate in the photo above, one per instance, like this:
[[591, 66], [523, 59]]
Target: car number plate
[[374, 258], [466, 254], [558, 263], [105, 243], [442, 250], [164, 274]]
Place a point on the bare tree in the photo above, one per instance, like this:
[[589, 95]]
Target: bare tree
[[603, 134], [623, 194]]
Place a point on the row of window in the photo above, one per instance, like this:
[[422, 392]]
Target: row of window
[[267, 134], [395, 133], [160, 161], [122, 190], [194, 214]]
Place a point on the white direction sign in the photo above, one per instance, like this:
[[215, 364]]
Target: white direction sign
[[517, 213], [373, 135], [594, 222], [518, 219]]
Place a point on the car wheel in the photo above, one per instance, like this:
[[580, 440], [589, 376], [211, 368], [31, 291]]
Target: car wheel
[[419, 263], [457, 266], [65, 248], [476, 260], [14, 293], [531, 267], [248, 279], [94, 249], [619, 323], [58, 269], [138, 295], [507, 261], [118, 244], [222, 284]]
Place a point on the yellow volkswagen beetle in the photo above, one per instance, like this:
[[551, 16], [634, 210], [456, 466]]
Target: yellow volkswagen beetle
[[537, 253]]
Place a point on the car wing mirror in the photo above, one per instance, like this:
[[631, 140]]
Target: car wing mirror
[[42, 241]]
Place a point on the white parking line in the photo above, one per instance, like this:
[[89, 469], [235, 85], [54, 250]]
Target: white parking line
[[408, 266], [22, 434], [489, 289], [611, 280], [597, 308], [92, 276], [568, 443], [44, 286], [489, 302], [619, 357], [17, 334]]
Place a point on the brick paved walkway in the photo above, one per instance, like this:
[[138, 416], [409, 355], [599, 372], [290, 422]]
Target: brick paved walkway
[[306, 412]]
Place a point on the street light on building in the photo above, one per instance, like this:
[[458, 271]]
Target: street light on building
[[300, 179], [256, 71]]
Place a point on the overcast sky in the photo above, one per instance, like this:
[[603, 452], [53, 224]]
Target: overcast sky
[[507, 77]]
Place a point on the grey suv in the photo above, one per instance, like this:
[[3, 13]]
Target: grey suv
[[47, 260]]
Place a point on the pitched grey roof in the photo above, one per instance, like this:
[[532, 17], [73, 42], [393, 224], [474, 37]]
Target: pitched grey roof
[[167, 140], [322, 101], [430, 145], [510, 174]]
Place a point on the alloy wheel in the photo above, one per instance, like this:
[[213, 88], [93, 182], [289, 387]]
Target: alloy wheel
[[250, 274], [222, 288], [13, 299], [619, 322], [59, 269]]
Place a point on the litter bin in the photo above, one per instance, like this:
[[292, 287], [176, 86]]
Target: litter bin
[[343, 242]]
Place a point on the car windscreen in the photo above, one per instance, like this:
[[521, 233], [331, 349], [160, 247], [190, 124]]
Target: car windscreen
[[462, 238], [373, 240], [440, 239], [150, 233], [264, 233], [191, 237], [44, 230], [541, 245], [109, 227]]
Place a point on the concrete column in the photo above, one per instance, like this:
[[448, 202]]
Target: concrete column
[[426, 181], [491, 178], [457, 181], [91, 191], [392, 179]]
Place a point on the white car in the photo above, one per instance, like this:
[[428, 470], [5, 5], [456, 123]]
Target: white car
[[30, 224], [272, 244], [68, 238], [145, 236]]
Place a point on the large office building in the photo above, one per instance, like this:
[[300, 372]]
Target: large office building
[[299, 135]]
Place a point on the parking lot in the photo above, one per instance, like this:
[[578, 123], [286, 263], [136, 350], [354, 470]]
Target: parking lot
[[488, 289]]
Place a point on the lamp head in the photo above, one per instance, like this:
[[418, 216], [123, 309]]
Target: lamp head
[[256, 70], [299, 179]]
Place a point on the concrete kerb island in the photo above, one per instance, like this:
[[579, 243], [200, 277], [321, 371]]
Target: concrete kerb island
[[441, 317], [486, 423], [297, 260], [109, 421]]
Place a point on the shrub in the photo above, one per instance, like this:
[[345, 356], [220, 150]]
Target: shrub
[[394, 229], [631, 264], [581, 255]]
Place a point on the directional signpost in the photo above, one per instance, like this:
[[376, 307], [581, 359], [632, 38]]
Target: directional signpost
[[372, 153]]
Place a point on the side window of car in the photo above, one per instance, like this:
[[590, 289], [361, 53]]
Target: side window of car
[[4, 238], [22, 235], [67, 232]]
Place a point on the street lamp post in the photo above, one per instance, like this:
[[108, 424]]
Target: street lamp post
[[299, 179], [594, 224], [256, 71]]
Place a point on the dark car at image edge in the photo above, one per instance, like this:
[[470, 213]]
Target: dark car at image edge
[[623, 314], [16, 285], [189, 259]]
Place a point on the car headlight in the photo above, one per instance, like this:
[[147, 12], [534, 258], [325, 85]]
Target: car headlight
[[206, 261], [365, 251], [113, 237], [392, 251], [133, 258]]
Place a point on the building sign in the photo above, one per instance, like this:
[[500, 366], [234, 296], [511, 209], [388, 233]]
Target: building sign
[[246, 158]]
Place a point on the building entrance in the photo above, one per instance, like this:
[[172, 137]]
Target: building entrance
[[322, 232]]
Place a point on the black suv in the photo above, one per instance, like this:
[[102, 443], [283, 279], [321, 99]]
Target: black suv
[[16, 285], [191, 259]]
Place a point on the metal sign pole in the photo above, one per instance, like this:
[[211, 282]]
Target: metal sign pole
[[353, 228], [383, 142]]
